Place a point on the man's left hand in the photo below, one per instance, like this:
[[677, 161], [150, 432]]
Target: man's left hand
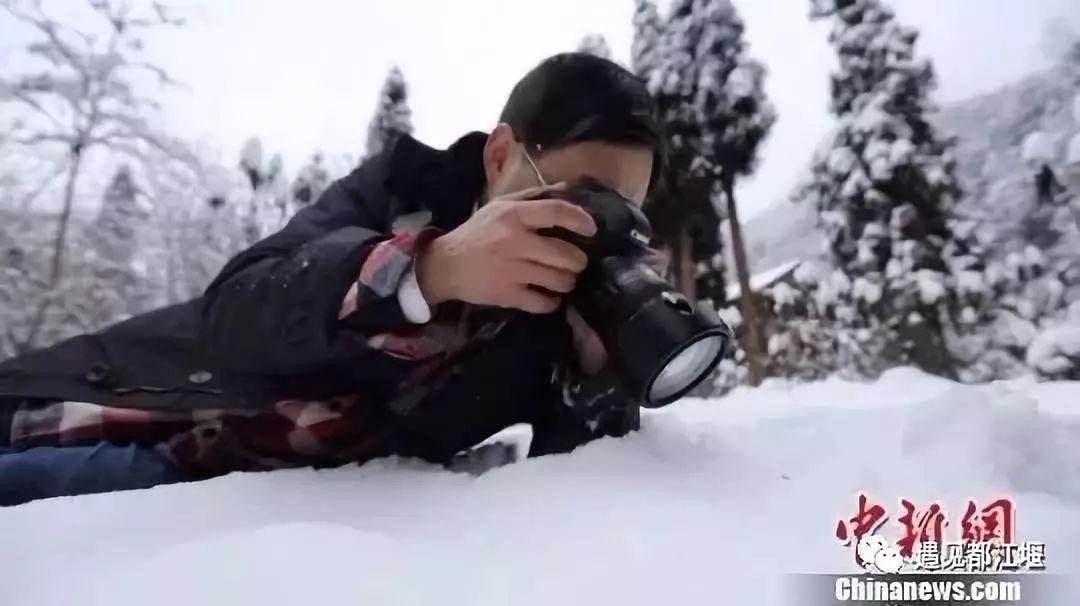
[[592, 356]]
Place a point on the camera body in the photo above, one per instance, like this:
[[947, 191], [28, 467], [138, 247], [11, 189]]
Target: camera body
[[661, 345]]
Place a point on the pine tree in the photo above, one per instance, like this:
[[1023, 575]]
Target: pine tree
[[16, 285], [310, 182], [117, 278], [736, 117], [884, 188], [392, 115], [646, 44], [682, 213], [713, 105], [595, 44], [118, 239], [268, 207]]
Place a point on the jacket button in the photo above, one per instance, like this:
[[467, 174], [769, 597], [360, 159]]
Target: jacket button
[[98, 375], [200, 377]]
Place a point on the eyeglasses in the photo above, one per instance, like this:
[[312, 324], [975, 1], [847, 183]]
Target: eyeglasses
[[532, 163]]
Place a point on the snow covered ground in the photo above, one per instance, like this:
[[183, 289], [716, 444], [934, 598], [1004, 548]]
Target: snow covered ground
[[711, 503]]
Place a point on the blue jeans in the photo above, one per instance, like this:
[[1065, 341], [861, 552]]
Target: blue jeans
[[40, 473]]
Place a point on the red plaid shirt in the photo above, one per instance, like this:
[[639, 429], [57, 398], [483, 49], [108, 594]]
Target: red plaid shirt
[[294, 432]]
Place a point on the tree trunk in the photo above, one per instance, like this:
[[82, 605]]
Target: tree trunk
[[687, 275], [65, 218], [753, 341]]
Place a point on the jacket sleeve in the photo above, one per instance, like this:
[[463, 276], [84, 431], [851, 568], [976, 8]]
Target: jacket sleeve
[[588, 408], [277, 307]]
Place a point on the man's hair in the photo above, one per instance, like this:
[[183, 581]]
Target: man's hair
[[575, 97]]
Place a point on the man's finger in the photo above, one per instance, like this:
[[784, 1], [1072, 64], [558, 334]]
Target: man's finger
[[530, 192], [535, 302], [552, 252], [552, 278], [539, 214]]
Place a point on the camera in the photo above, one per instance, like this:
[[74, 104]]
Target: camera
[[660, 344]]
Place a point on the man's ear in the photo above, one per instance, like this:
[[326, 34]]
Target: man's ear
[[497, 151]]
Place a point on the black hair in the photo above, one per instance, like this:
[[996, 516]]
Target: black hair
[[575, 97]]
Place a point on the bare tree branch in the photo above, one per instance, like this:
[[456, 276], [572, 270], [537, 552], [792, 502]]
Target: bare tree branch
[[91, 84]]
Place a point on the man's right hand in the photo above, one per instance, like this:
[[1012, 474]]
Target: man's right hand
[[497, 258]]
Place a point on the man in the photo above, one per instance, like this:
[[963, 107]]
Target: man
[[412, 310]]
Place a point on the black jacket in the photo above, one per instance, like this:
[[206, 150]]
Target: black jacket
[[249, 342]]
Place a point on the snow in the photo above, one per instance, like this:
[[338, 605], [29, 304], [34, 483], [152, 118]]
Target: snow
[[783, 295], [840, 160], [1055, 351], [712, 502], [251, 156], [866, 290], [595, 44], [902, 152], [743, 81], [1037, 148], [1072, 153], [931, 287], [1011, 330]]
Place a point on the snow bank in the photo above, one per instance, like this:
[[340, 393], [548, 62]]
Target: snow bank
[[711, 503]]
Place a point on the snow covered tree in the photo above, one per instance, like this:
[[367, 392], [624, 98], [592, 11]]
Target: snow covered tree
[[269, 203], [595, 44], [681, 212], [884, 188], [713, 104], [16, 284], [81, 93], [804, 347], [311, 181], [120, 288], [736, 117], [646, 44], [1014, 165], [392, 115]]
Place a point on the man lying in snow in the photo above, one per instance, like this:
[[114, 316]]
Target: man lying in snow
[[408, 311]]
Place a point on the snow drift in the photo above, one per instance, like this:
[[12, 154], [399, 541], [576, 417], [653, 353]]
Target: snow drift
[[712, 502]]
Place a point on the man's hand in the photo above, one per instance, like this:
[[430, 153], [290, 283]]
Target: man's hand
[[592, 355], [497, 258]]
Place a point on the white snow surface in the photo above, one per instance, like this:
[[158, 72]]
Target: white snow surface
[[712, 502]]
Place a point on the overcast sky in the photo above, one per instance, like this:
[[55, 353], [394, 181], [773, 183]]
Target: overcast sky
[[305, 74]]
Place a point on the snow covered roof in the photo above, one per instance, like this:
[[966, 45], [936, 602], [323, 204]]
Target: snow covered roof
[[763, 279]]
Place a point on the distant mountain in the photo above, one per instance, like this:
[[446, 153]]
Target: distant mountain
[[995, 152], [782, 233], [1003, 139]]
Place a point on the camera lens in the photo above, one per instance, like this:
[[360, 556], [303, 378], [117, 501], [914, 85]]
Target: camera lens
[[686, 368]]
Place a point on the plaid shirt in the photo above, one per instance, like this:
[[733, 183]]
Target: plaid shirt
[[294, 432]]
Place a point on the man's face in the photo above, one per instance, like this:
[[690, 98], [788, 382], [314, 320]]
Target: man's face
[[625, 169]]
